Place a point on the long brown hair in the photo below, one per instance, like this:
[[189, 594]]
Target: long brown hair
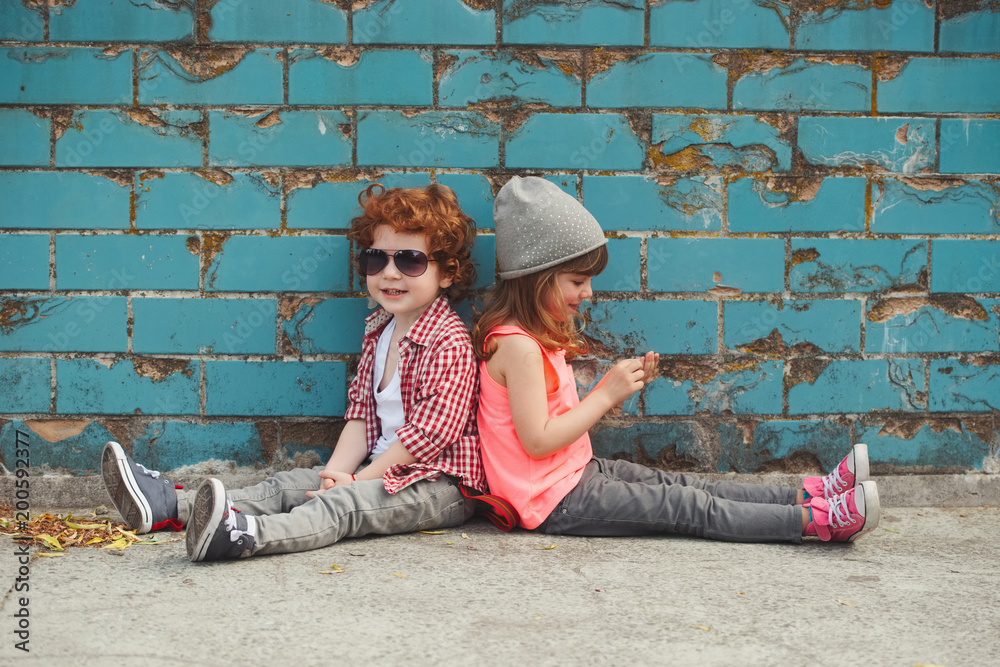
[[523, 300]]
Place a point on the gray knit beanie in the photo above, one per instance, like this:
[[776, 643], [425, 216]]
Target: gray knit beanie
[[539, 226]]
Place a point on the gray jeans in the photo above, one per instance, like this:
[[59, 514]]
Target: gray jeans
[[615, 498], [288, 521]]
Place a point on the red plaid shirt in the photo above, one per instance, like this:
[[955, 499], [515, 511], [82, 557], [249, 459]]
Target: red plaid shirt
[[439, 384]]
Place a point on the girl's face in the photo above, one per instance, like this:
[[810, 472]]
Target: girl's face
[[575, 288]]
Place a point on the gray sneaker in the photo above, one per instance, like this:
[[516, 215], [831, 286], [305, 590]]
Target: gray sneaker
[[217, 530], [143, 497]]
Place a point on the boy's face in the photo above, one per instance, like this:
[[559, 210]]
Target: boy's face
[[575, 288], [405, 297]]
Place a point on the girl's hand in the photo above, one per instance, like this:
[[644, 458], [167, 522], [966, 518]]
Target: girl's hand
[[649, 363], [624, 379]]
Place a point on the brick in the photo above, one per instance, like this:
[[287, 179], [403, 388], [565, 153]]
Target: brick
[[280, 139], [332, 204], [857, 265], [659, 80], [902, 25], [849, 386], [25, 385], [423, 22], [24, 139], [968, 146], [706, 24], [943, 85], [51, 200], [956, 386], [622, 272], [282, 264], [969, 32], [475, 196], [794, 204], [667, 327], [371, 76], [908, 325], [212, 77], [701, 264], [128, 386], [696, 141], [921, 442], [454, 139], [206, 200], [793, 327], [574, 141], [475, 77], [204, 326], [934, 206], [106, 262], [904, 145], [965, 266], [632, 202], [774, 441], [53, 75], [107, 20], [63, 324], [24, 262], [282, 21], [18, 23], [805, 84], [303, 388], [104, 138], [484, 254], [741, 390], [323, 326], [658, 445], [597, 24], [169, 444], [75, 447]]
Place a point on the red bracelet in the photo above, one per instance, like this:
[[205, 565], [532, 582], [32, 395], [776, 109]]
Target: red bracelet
[[353, 478]]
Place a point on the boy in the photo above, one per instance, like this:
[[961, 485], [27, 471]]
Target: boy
[[411, 414]]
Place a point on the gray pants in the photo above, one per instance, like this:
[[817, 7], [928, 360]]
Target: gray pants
[[615, 498], [288, 521]]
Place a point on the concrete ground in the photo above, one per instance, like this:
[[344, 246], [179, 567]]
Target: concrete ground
[[920, 590]]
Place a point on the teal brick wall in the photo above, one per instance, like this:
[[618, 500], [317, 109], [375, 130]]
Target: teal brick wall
[[802, 202]]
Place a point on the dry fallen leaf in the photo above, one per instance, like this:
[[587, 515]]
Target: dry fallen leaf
[[401, 576], [890, 530], [334, 569], [546, 548], [844, 602], [702, 627], [435, 532], [464, 536]]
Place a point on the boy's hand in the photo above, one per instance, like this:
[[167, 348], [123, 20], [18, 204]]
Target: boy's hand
[[330, 479]]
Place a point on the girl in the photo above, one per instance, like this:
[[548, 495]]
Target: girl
[[534, 428]]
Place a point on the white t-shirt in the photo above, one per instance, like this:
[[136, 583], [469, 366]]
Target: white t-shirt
[[389, 401]]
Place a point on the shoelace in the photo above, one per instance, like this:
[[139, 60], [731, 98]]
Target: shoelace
[[152, 473], [834, 484], [839, 514], [234, 533]]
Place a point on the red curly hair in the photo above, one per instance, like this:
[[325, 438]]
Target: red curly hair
[[432, 212]]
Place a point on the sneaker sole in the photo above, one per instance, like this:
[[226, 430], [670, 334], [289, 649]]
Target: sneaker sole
[[206, 515], [124, 489], [873, 511], [862, 471]]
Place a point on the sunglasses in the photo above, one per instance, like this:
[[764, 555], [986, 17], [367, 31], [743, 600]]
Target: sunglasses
[[411, 263]]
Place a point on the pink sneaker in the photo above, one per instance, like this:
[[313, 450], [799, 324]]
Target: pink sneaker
[[846, 517], [848, 474]]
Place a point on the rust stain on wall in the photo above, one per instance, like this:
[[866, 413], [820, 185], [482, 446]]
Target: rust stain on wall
[[54, 430], [907, 429], [601, 60], [194, 245], [954, 305], [216, 176], [803, 255], [118, 176], [798, 188], [158, 370], [345, 56], [683, 369], [62, 120], [270, 120], [804, 369], [773, 345], [207, 62]]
